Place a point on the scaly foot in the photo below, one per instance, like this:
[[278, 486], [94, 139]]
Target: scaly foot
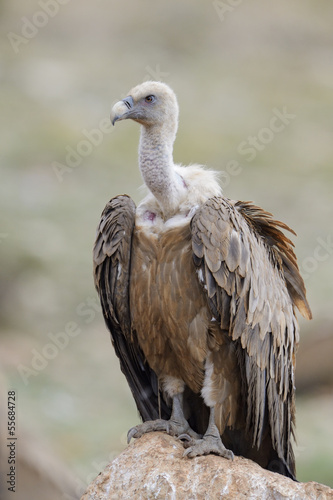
[[208, 444], [176, 426], [171, 427]]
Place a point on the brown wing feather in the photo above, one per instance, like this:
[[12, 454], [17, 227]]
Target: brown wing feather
[[251, 278], [263, 223], [112, 257]]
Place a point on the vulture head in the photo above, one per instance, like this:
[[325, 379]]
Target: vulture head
[[152, 104]]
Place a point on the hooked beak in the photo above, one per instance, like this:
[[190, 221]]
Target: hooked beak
[[122, 109]]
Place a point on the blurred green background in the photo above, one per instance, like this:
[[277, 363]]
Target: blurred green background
[[232, 64]]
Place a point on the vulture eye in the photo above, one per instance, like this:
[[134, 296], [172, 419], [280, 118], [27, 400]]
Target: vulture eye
[[150, 98]]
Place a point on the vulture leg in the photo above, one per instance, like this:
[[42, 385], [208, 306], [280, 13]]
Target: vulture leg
[[176, 426], [211, 442]]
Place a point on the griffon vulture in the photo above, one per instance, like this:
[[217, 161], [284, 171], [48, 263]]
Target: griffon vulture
[[199, 293]]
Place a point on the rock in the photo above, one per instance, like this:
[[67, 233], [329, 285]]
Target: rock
[[153, 467]]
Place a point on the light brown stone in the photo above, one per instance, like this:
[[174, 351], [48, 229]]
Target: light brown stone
[[153, 467]]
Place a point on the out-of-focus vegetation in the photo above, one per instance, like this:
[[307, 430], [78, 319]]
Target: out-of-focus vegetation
[[232, 67]]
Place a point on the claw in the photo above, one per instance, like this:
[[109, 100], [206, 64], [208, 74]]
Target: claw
[[187, 440], [208, 445], [211, 442], [131, 433], [188, 451], [171, 428], [176, 426], [149, 426], [185, 437]]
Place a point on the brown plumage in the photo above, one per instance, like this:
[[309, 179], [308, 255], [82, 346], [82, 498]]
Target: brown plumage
[[199, 294]]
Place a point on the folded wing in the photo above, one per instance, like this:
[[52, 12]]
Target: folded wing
[[249, 272], [112, 258]]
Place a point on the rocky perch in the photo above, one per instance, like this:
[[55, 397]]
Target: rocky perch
[[153, 467]]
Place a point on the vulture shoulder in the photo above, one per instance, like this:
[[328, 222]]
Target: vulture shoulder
[[250, 275], [112, 261]]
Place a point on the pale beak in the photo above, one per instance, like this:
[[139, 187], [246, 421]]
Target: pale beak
[[122, 110]]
